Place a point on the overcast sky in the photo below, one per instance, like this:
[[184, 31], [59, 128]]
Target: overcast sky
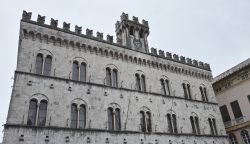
[[212, 31]]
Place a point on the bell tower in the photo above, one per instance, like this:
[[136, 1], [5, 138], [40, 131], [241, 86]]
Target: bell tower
[[132, 33]]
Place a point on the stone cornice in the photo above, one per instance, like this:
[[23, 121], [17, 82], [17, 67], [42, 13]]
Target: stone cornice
[[6, 126], [117, 88]]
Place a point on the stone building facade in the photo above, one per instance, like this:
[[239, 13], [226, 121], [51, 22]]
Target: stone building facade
[[79, 88], [233, 95]]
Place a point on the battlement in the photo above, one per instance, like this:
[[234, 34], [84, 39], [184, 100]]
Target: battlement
[[180, 59], [66, 27], [135, 20], [110, 39]]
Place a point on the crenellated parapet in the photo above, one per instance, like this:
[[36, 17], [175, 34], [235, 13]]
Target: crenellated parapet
[[109, 39], [132, 33], [66, 27], [125, 17], [180, 59]]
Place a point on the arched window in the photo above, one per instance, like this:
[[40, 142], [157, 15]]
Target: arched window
[[79, 72], [203, 91], [138, 81], [83, 72], [232, 139], [245, 136], [165, 86], [37, 115], [143, 83], [195, 125], [145, 121], [114, 121], [114, 78], [82, 116], [211, 126], [39, 63], [74, 117], [32, 112], [108, 77], [78, 116], [42, 113], [47, 65], [172, 123], [75, 73], [187, 92]]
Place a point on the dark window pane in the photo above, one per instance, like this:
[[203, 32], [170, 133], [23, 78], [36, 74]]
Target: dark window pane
[[83, 72], [110, 119], [114, 78], [142, 121], [143, 83], [73, 123], [185, 90], [205, 93], [224, 113], [138, 82], [117, 119], [170, 127], [39, 63], [82, 116], [47, 65], [236, 109], [42, 113], [248, 98], [202, 94], [175, 123], [197, 125], [75, 73], [192, 124], [131, 30], [108, 76], [211, 126], [163, 86], [189, 92], [215, 127], [148, 121], [32, 113], [168, 89]]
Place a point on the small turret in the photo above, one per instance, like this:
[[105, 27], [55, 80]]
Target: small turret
[[132, 33]]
